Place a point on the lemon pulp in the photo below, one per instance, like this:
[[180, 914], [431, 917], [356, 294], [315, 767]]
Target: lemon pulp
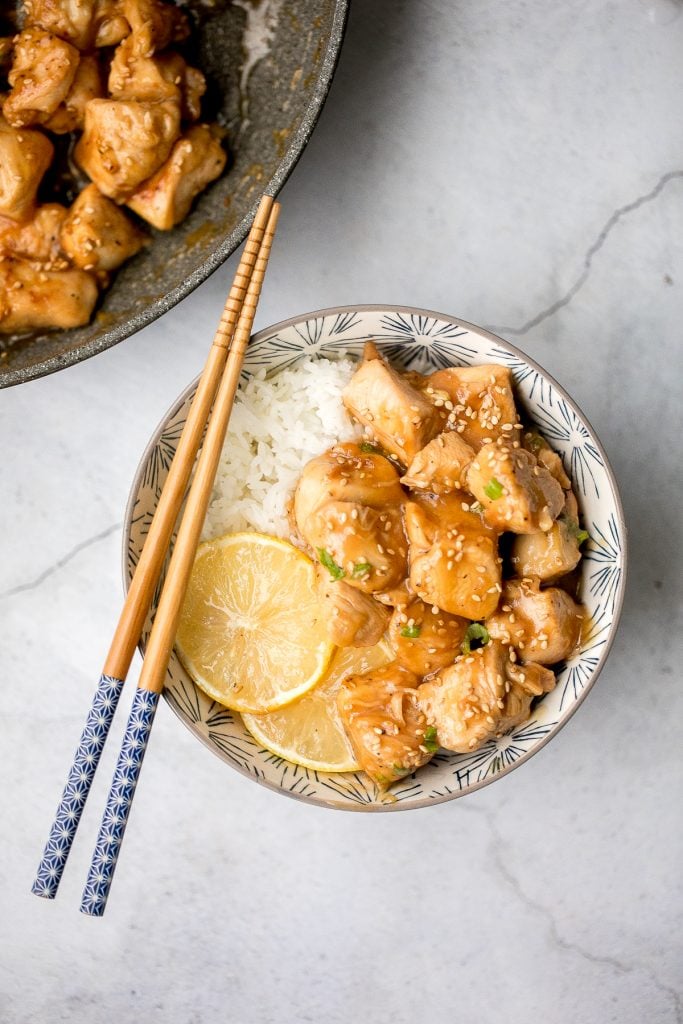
[[251, 632], [309, 732]]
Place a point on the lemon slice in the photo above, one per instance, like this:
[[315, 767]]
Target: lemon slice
[[310, 732], [252, 634]]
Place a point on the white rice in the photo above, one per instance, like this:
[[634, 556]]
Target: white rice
[[277, 425]]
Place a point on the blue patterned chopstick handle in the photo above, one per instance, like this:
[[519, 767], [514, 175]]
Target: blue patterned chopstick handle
[[119, 802], [77, 787]]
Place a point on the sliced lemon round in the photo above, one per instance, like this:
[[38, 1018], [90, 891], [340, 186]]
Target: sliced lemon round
[[310, 731], [252, 633]]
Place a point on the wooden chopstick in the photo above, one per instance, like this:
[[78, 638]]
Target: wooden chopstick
[[138, 599], [160, 643]]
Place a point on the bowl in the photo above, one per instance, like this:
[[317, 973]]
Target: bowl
[[270, 112], [424, 341]]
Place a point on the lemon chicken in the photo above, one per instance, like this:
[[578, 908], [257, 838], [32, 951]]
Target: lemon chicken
[[134, 113], [441, 531], [383, 719]]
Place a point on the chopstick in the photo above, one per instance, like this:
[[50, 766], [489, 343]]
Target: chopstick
[[138, 599], [160, 643]]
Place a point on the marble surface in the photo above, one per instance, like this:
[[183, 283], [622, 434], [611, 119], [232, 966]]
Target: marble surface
[[518, 164]]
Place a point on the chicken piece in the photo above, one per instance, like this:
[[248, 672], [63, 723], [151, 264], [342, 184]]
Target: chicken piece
[[193, 88], [482, 695], [126, 141], [69, 19], [544, 625], [516, 493], [384, 723], [538, 446], [41, 76], [109, 23], [347, 507], [87, 85], [97, 235], [164, 200], [353, 618], [362, 545], [441, 466], [346, 472], [483, 405], [401, 419], [37, 239], [554, 553], [425, 640], [31, 298], [454, 562], [155, 24], [167, 76], [25, 155]]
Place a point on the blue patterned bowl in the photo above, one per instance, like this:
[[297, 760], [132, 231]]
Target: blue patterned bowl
[[423, 341]]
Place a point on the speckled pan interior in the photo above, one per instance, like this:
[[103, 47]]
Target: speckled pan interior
[[269, 124]]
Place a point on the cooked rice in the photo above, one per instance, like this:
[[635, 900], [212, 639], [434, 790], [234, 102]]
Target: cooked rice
[[278, 423]]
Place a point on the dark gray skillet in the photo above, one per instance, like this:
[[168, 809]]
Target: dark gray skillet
[[285, 94]]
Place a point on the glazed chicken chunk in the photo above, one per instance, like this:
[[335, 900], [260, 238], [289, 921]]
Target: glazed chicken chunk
[[423, 639], [454, 562], [33, 298], [554, 553], [482, 695], [480, 402], [163, 77], [71, 20], [155, 24], [353, 618], [97, 235], [165, 199], [87, 85], [441, 466], [126, 141], [539, 447], [346, 472], [516, 493], [544, 625], [397, 415], [41, 76], [385, 724], [36, 239], [109, 23], [347, 507], [362, 545], [25, 155]]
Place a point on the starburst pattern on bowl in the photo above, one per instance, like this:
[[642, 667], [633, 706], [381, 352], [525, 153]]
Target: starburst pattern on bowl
[[423, 341]]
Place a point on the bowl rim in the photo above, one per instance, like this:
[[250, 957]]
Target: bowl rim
[[618, 510], [160, 306]]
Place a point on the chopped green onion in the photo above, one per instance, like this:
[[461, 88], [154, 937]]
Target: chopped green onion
[[572, 525], [399, 769], [369, 449], [411, 632], [361, 569], [475, 631], [326, 559], [535, 441], [430, 739], [493, 489]]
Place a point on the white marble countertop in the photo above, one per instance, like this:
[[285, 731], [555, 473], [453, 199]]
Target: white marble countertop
[[517, 163]]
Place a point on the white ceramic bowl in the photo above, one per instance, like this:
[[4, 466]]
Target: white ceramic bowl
[[423, 341]]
